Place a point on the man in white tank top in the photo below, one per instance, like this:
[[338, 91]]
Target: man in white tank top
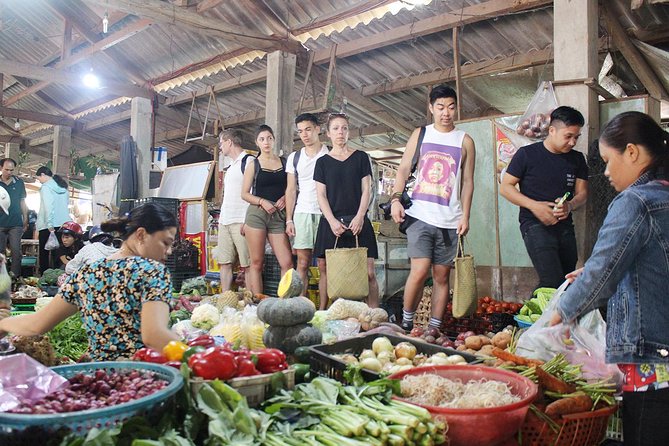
[[441, 201]]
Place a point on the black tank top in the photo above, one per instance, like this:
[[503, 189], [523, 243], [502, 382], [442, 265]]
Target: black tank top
[[271, 184]]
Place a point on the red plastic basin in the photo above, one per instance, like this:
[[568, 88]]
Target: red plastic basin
[[480, 427]]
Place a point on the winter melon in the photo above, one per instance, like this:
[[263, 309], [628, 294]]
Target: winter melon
[[291, 284]]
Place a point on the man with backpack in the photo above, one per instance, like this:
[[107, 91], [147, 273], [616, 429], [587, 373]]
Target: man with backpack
[[302, 211], [440, 202], [231, 241]]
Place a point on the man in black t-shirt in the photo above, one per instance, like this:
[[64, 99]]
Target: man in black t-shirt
[[546, 173]]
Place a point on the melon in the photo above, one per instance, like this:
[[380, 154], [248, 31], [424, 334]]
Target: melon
[[291, 284]]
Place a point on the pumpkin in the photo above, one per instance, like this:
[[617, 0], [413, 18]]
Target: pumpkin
[[291, 284], [286, 312], [288, 339]]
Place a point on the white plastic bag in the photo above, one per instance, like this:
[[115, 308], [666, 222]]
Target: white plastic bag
[[52, 243], [534, 122], [583, 343]]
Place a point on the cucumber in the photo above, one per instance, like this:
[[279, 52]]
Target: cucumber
[[534, 317], [302, 354], [533, 306]]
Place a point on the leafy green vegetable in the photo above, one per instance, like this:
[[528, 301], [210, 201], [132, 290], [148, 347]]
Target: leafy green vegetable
[[50, 277], [69, 338], [179, 315]]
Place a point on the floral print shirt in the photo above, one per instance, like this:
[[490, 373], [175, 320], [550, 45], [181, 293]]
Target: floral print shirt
[[109, 294]]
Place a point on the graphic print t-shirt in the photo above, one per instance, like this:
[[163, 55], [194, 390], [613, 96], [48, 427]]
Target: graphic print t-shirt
[[436, 194]]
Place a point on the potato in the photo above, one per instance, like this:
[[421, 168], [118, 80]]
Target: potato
[[461, 348], [486, 350], [473, 342], [471, 351], [501, 340], [485, 340]]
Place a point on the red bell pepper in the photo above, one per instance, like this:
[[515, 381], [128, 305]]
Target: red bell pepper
[[270, 360], [140, 355], [246, 367], [215, 363], [205, 341], [147, 354], [175, 364]]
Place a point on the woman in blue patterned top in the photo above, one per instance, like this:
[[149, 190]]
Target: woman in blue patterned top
[[123, 299]]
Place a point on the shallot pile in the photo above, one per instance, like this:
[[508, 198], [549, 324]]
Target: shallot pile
[[101, 389], [536, 126]]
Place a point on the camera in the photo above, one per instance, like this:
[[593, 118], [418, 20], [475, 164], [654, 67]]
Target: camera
[[405, 201]]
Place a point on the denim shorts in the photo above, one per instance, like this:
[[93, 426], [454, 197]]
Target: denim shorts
[[427, 241]]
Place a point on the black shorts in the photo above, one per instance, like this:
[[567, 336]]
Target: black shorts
[[325, 239]]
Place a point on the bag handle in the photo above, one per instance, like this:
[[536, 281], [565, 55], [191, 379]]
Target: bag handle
[[461, 246], [356, 242]]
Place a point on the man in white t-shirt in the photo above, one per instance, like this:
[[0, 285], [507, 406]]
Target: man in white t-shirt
[[231, 241], [302, 210]]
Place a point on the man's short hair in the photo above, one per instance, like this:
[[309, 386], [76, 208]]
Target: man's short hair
[[442, 91], [4, 160], [233, 134], [309, 117], [568, 116]]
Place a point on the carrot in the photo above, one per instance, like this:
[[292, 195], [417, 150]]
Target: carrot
[[580, 402], [550, 382], [519, 360]]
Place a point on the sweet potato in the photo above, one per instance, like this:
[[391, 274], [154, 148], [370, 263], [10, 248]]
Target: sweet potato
[[518, 360], [573, 404], [550, 382]]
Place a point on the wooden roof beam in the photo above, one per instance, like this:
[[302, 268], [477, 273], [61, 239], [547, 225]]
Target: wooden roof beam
[[36, 116], [339, 14], [458, 17], [102, 45], [167, 13], [633, 56]]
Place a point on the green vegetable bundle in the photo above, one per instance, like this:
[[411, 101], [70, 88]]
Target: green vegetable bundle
[[69, 338], [534, 308]]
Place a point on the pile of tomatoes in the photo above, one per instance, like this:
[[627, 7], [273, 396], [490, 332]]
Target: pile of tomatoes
[[488, 305]]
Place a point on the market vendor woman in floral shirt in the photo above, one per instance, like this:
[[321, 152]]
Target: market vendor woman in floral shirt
[[123, 299]]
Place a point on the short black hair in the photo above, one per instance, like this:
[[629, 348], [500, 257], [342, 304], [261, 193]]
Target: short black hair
[[310, 117], [442, 91], [568, 116], [4, 160]]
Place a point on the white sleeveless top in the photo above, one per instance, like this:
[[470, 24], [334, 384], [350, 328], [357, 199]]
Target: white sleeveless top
[[436, 193]]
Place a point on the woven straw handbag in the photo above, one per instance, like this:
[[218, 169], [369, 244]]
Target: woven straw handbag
[[464, 289], [347, 272]]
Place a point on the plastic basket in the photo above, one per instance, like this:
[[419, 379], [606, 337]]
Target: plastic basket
[[583, 429], [324, 364], [256, 389], [521, 323], [22, 429], [614, 430]]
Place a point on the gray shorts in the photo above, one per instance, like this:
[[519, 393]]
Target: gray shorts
[[427, 241]]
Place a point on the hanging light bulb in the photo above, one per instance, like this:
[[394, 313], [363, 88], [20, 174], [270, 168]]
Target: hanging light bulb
[[17, 125], [105, 23]]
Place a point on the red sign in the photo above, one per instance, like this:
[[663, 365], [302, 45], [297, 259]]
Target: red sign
[[199, 241]]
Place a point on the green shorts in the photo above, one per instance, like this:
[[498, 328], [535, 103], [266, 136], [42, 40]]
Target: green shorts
[[306, 228], [258, 218]]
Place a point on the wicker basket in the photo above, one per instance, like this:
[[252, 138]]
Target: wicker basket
[[582, 429], [22, 429], [424, 310]]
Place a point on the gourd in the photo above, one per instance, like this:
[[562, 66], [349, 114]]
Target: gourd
[[288, 339], [286, 312], [291, 284]]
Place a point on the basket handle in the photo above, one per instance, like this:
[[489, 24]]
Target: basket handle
[[356, 242]]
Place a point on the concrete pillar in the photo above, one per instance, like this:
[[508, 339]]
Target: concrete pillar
[[11, 150], [575, 26], [62, 144], [279, 113], [141, 130]]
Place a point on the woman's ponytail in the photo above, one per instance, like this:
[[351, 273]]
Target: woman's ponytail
[[60, 181]]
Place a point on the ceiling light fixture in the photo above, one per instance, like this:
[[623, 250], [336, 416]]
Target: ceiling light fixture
[[91, 80], [105, 23], [17, 125]]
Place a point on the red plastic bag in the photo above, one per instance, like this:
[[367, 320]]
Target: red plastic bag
[[24, 379], [537, 117]]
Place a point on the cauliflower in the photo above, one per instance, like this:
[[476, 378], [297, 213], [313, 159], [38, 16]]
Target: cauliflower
[[343, 309], [42, 302], [205, 316]]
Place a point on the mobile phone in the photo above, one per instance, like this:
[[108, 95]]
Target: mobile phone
[[563, 199]]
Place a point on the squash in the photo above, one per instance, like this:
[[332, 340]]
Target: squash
[[286, 312], [291, 284], [289, 339]]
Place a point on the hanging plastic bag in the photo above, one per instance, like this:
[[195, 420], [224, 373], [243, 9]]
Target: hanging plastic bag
[[583, 343], [537, 117], [252, 328], [52, 243]]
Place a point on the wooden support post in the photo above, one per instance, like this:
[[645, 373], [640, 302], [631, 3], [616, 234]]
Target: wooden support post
[[279, 99], [306, 81], [456, 65], [67, 40], [62, 144], [141, 130], [327, 97]]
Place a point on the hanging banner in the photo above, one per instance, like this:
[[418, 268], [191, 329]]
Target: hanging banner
[[505, 151], [199, 241]]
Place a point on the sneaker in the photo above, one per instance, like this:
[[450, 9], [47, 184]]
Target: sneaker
[[407, 326]]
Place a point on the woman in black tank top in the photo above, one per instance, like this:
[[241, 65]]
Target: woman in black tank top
[[264, 188]]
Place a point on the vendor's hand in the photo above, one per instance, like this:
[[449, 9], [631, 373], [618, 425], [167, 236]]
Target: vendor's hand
[[573, 275], [5, 313], [463, 226], [356, 224], [290, 229], [267, 206], [397, 211], [543, 210], [281, 203], [337, 227], [555, 319], [561, 211]]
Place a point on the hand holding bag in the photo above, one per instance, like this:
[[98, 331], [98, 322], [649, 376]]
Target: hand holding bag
[[52, 242], [464, 289], [347, 272]]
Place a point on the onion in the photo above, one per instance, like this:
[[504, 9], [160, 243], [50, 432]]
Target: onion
[[405, 350], [381, 344], [372, 364]]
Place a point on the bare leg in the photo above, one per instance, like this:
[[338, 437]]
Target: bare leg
[[255, 239], [440, 290], [373, 297], [322, 285], [226, 276], [281, 249], [303, 263], [413, 289]]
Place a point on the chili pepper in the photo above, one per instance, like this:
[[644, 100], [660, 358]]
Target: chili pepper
[[246, 367], [174, 350], [205, 341], [214, 363], [191, 351]]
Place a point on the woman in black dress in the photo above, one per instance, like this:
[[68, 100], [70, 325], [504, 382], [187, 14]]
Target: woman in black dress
[[343, 186]]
